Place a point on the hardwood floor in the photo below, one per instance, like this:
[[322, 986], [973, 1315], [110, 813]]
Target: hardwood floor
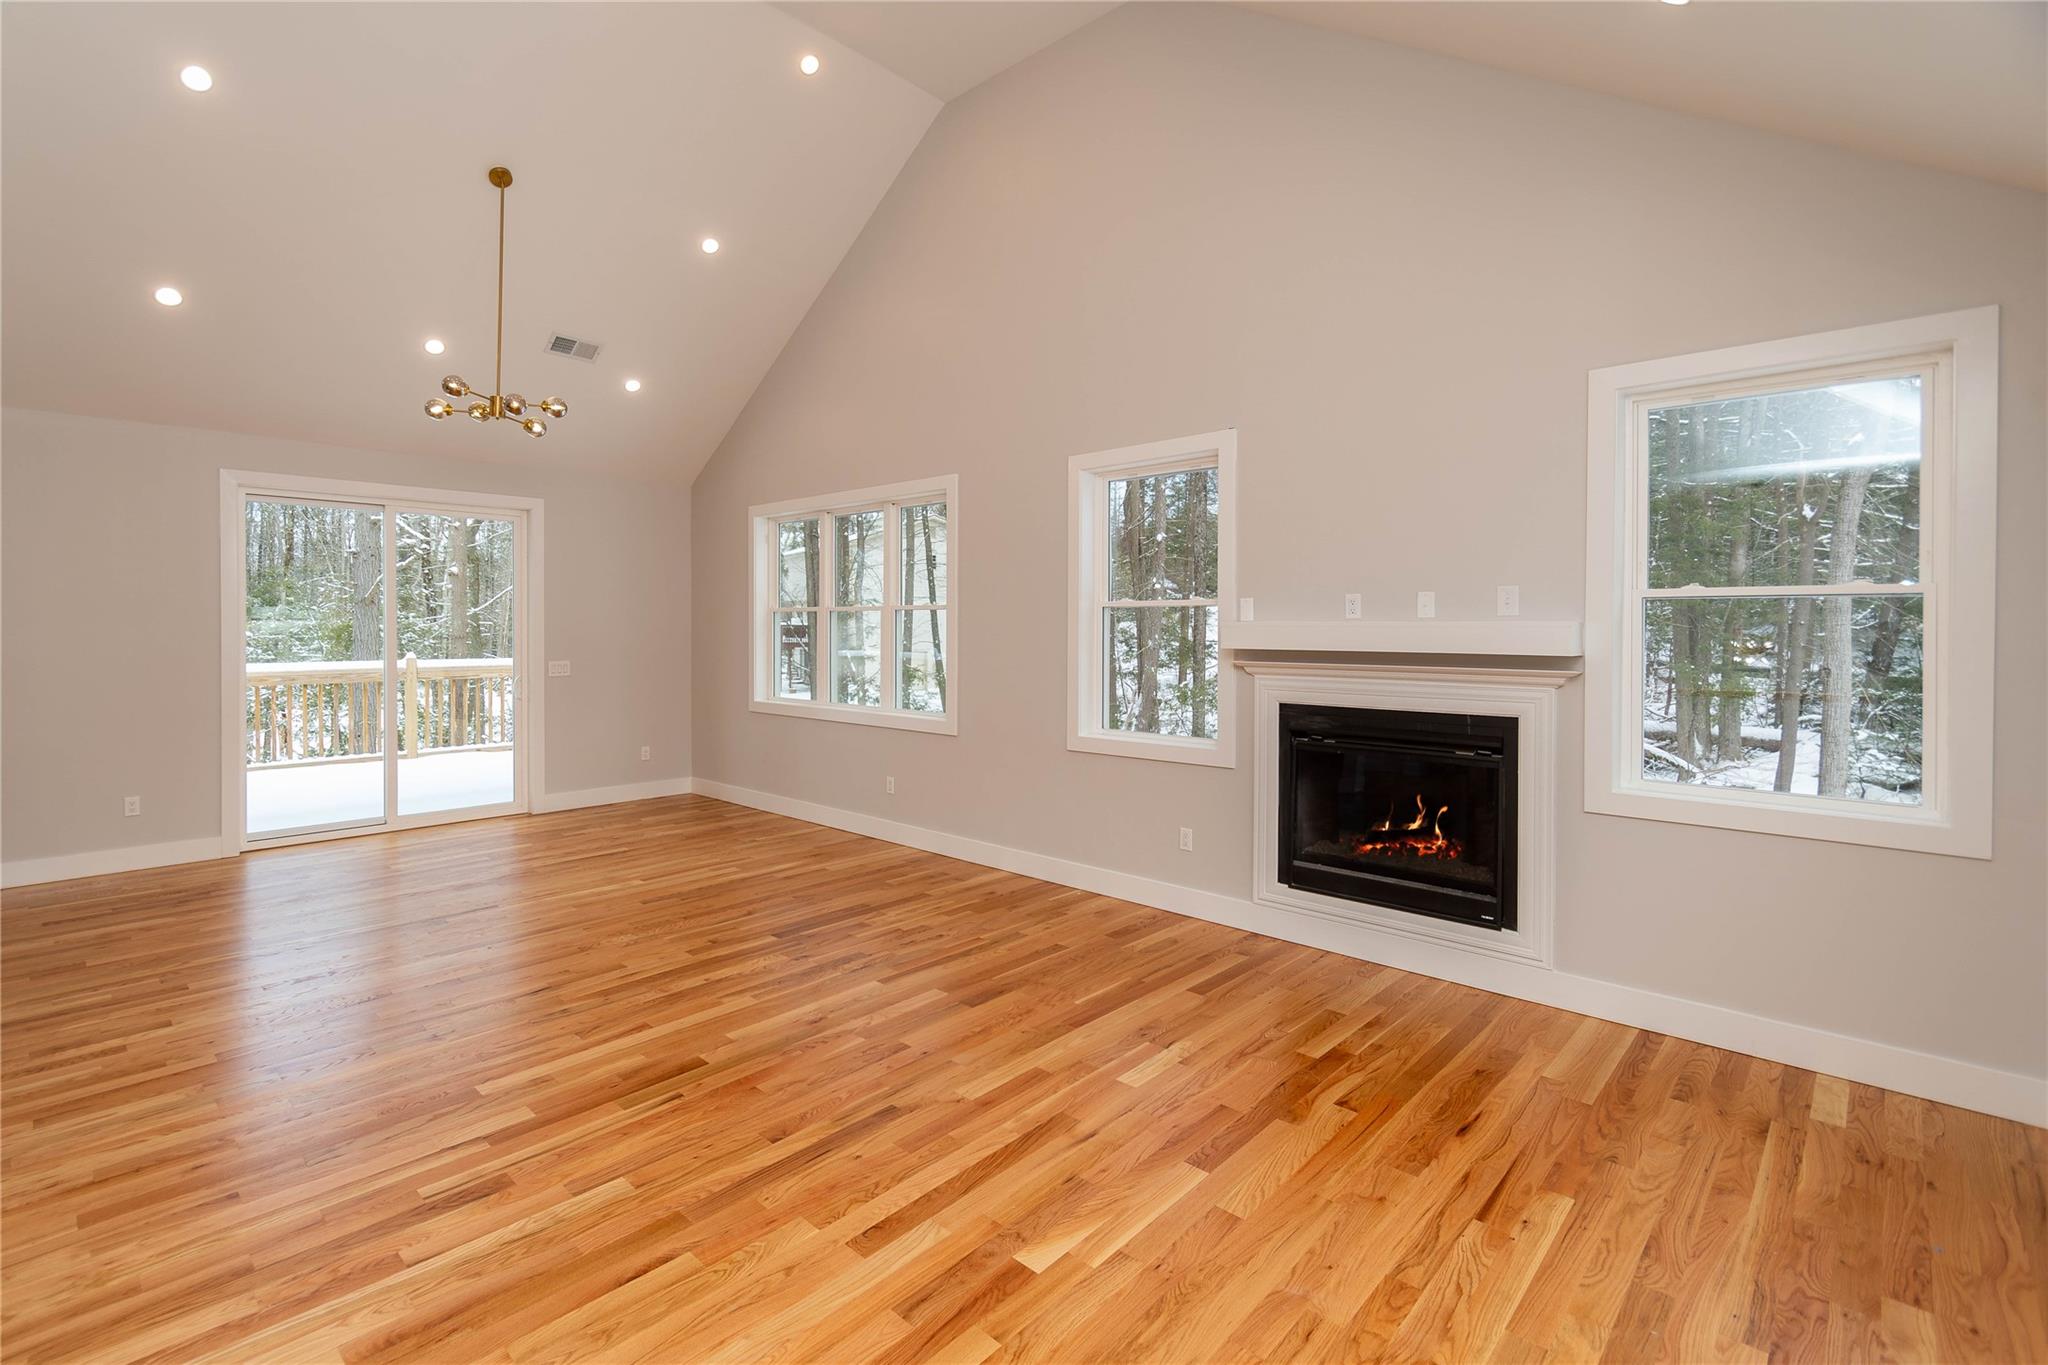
[[680, 1081]]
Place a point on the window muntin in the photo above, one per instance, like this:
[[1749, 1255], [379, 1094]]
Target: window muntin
[[1778, 588], [858, 627]]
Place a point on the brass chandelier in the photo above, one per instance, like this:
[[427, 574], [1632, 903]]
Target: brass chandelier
[[497, 405]]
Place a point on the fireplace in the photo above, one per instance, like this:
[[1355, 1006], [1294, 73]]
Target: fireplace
[[1413, 810]]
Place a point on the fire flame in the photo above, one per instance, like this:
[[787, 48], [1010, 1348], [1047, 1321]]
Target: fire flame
[[1421, 837]]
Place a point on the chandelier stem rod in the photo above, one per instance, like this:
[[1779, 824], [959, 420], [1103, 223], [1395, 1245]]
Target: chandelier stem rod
[[498, 375]]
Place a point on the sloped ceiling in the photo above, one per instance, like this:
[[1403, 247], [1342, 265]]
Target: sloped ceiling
[[1956, 85], [324, 209], [948, 49]]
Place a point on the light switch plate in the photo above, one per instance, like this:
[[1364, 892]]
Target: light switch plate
[[558, 668]]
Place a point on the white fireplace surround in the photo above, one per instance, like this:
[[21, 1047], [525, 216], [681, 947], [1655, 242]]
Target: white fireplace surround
[[1530, 698]]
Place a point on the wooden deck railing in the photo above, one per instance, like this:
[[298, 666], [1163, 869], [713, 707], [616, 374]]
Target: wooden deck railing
[[300, 713]]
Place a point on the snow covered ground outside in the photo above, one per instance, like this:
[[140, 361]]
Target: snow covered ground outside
[[1758, 771], [343, 793]]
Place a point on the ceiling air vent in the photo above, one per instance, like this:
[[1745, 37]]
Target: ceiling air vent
[[574, 349]]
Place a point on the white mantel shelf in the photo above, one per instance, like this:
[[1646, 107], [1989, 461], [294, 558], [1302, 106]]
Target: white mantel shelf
[[1506, 636]]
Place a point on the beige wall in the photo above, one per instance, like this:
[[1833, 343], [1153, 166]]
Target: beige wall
[[1390, 272], [110, 667]]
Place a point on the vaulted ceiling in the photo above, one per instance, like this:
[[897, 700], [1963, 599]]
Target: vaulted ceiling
[[1958, 85], [324, 208]]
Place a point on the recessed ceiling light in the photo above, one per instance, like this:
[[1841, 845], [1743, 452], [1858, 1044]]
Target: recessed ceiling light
[[809, 65], [710, 245], [197, 78], [632, 386], [169, 297], [1677, 2], [435, 346]]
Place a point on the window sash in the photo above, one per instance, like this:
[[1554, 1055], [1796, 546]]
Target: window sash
[[775, 563], [1103, 573], [1935, 373], [1933, 377]]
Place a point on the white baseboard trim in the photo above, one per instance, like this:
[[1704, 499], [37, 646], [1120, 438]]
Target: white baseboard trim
[[1946, 1079], [136, 858], [611, 796], [29, 871]]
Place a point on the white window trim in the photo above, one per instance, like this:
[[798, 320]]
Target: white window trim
[[1088, 477], [1959, 498], [761, 521]]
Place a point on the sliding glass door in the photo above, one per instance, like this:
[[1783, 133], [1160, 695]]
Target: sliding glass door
[[457, 612], [380, 682], [313, 693]]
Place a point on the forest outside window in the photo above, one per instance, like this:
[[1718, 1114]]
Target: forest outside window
[[1796, 606], [852, 606], [1151, 540]]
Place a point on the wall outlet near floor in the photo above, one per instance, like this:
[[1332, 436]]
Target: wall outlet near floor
[[888, 786], [1425, 605], [1244, 608], [1354, 606], [558, 668], [646, 752], [1187, 840], [131, 805], [1507, 601]]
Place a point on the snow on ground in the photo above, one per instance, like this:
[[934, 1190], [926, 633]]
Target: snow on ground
[[1759, 769], [282, 798]]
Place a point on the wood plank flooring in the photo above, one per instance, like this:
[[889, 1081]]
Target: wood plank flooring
[[680, 1081]]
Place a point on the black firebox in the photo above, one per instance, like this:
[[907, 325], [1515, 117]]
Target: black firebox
[[1409, 809]]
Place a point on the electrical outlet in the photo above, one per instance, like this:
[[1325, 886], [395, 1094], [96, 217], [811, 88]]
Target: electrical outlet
[[131, 805], [646, 752], [1354, 606], [1507, 601], [1187, 840], [1244, 608], [558, 668], [888, 786], [1425, 605]]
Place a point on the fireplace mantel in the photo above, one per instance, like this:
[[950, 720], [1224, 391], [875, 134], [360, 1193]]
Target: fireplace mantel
[[1529, 696], [1502, 636]]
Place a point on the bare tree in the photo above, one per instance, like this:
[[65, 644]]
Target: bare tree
[[1838, 684]]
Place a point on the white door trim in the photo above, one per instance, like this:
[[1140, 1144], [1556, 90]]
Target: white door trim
[[529, 633]]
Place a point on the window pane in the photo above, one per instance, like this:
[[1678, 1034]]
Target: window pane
[[1728, 681], [1162, 536], [1162, 670], [857, 569], [923, 535], [857, 658], [797, 557], [796, 654], [1814, 485], [921, 660]]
